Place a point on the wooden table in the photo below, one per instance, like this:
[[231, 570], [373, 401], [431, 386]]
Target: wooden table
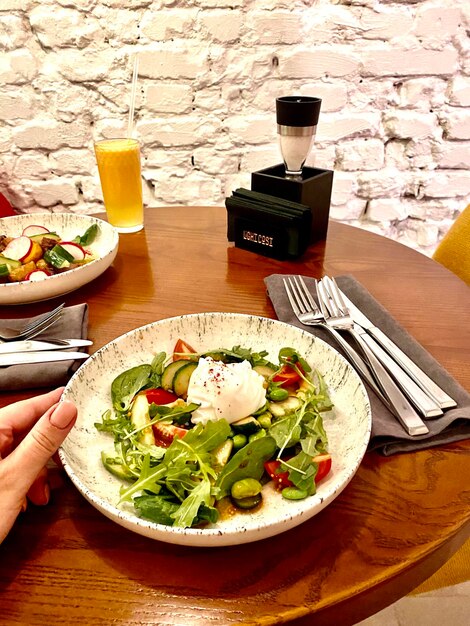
[[396, 523]]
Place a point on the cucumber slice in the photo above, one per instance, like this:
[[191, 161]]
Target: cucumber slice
[[140, 417], [10, 263], [246, 426], [169, 373], [182, 377], [116, 468], [222, 454], [40, 236], [264, 370], [289, 405]]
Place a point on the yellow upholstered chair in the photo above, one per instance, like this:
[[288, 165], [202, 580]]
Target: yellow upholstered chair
[[455, 572], [454, 250]]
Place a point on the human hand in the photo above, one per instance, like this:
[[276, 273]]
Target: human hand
[[31, 431]]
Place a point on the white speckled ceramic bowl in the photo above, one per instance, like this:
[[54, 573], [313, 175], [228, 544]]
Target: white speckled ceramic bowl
[[68, 226], [348, 425]]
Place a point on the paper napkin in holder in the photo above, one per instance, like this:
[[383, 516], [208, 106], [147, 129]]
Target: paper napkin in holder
[[72, 324], [388, 436]]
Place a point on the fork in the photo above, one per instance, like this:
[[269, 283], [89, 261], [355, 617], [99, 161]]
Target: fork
[[337, 316], [307, 312], [34, 327]]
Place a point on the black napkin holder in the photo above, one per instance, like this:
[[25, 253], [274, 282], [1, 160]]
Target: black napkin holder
[[313, 189], [268, 225]]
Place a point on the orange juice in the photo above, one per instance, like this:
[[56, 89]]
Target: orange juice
[[119, 167]]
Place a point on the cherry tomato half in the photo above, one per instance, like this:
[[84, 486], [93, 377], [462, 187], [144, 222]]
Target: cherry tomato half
[[281, 478], [287, 376], [324, 466], [160, 396], [182, 350], [165, 433]]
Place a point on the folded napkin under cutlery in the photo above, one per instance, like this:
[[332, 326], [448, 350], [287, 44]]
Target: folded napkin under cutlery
[[73, 324], [388, 436]]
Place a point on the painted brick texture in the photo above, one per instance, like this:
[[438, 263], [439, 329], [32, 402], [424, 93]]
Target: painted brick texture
[[393, 75]]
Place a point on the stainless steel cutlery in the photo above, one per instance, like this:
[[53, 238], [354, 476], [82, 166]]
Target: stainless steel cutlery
[[403, 360], [14, 347], [339, 319], [401, 389], [24, 358], [33, 328]]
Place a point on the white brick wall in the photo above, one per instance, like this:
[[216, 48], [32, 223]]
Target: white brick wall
[[394, 77]]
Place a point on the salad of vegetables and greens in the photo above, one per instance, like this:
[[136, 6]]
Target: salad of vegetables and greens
[[196, 435], [38, 253]]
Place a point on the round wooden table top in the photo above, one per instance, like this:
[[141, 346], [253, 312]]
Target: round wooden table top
[[397, 522]]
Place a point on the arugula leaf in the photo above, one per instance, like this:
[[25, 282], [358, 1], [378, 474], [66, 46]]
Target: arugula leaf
[[286, 431], [189, 508], [125, 386], [237, 354], [316, 440], [185, 470], [302, 472]]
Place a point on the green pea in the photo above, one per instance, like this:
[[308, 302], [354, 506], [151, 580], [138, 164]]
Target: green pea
[[292, 493], [278, 394], [257, 435], [265, 420], [239, 441], [245, 488]]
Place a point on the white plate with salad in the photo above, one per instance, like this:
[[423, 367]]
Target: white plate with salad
[[153, 450], [45, 255], [215, 429]]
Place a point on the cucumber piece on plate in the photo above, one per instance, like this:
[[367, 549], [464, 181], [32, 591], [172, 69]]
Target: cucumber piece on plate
[[246, 426], [140, 418], [10, 263], [116, 468], [182, 377], [222, 454], [289, 405], [169, 373], [264, 370]]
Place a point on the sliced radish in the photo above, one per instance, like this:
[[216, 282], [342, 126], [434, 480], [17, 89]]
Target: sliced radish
[[36, 275], [34, 229], [18, 248], [74, 249]]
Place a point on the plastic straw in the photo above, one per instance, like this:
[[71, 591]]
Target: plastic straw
[[130, 122]]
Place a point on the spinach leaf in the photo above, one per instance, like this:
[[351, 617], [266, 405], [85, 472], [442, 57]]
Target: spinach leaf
[[156, 509], [126, 385], [88, 236], [248, 462]]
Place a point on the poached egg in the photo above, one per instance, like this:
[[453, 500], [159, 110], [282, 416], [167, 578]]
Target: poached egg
[[229, 391]]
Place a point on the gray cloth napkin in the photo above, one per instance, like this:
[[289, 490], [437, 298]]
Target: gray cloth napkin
[[388, 436], [72, 324]]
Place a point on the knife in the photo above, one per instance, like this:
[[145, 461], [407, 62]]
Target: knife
[[440, 397], [39, 357], [38, 346]]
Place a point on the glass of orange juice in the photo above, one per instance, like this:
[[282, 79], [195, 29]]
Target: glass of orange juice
[[119, 167]]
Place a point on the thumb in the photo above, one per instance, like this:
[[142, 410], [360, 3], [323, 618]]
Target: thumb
[[41, 443]]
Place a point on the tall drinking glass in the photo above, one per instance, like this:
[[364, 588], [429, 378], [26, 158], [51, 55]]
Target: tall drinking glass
[[119, 167]]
